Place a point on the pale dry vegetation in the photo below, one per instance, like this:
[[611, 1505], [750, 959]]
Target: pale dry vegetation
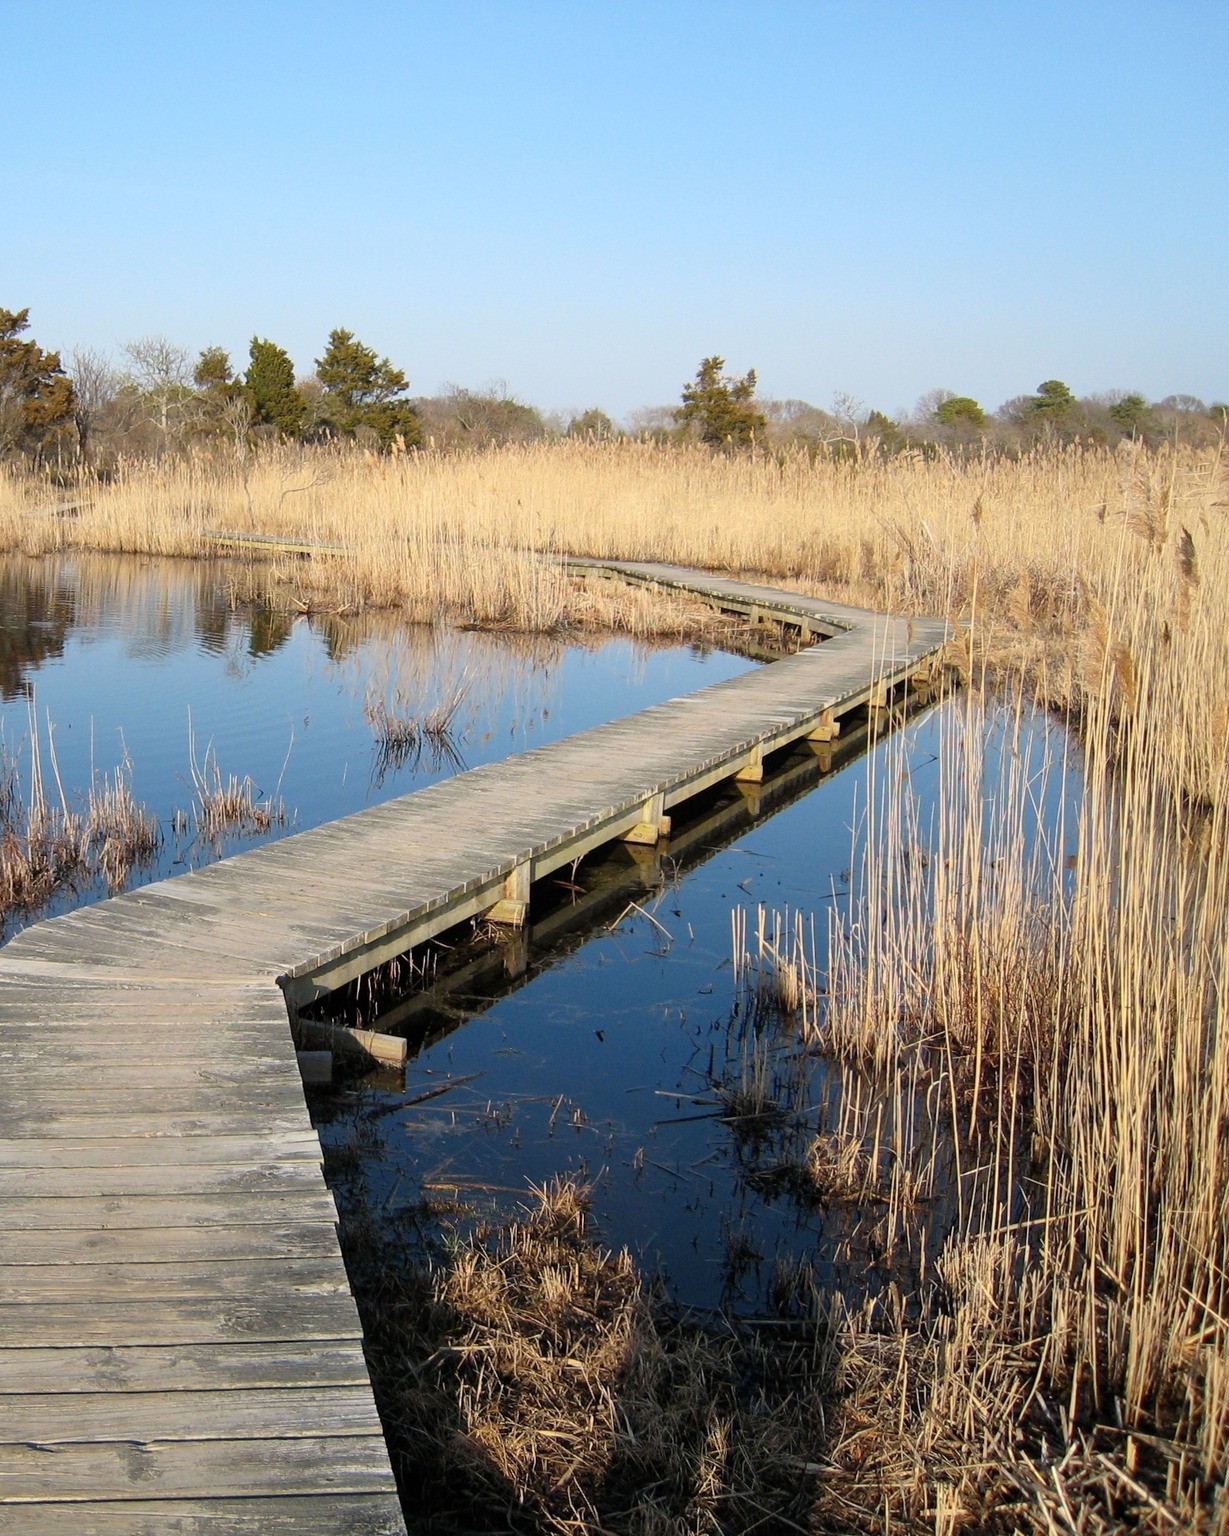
[[1025, 1010], [531, 1381], [1034, 1118], [1036, 546]]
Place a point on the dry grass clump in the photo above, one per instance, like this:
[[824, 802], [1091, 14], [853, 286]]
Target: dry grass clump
[[125, 836], [231, 804], [533, 1383], [47, 847], [405, 733]]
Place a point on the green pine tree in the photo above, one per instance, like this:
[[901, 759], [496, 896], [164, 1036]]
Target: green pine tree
[[37, 402], [959, 411], [361, 391], [720, 410], [271, 388]]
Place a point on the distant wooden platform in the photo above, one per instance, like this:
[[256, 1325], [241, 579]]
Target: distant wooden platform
[[269, 543], [179, 1349]]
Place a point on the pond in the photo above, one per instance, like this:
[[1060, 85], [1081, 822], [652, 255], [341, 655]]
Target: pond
[[157, 664], [617, 1043]]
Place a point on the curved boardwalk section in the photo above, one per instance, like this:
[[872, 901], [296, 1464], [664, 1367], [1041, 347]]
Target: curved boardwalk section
[[179, 1350]]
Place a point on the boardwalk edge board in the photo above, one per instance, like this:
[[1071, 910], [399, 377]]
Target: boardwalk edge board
[[179, 1349]]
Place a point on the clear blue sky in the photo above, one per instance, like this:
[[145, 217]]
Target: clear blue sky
[[584, 199]]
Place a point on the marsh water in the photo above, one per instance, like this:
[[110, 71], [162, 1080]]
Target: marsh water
[[613, 1041]]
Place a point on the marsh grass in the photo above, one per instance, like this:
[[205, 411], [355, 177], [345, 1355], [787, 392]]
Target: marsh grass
[[530, 1380], [222, 805], [1029, 1003], [1037, 550], [124, 835]]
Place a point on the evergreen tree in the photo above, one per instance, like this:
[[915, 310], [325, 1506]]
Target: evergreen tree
[[223, 405], [959, 411], [36, 396], [271, 388], [721, 409], [592, 423], [879, 424], [1131, 414], [213, 370], [361, 391], [1053, 400]]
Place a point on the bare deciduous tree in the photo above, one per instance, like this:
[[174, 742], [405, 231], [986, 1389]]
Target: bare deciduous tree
[[162, 371], [97, 384]]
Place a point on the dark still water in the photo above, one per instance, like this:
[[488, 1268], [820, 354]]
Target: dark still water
[[614, 1044], [103, 661]]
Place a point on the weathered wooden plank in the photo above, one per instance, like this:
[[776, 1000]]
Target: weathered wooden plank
[[250, 1413], [156, 1212], [259, 1312], [199, 1367], [195, 1469], [167, 1180], [147, 1281], [320, 1515], [147, 1148], [169, 1245], [170, 1128], [23, 1097]]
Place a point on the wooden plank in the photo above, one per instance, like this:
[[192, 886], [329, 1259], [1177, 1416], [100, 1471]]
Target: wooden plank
[[179, 1180], [147, 1149], [170, 1128], [318, 1515], [260, 1099], [54, 1246], [159, 1211], [122, 1319], [200, 1367], [195, 1469], [253, 1413], [147, 1281]]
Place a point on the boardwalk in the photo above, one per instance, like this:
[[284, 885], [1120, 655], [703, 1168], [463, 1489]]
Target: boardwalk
[[179, 1350]]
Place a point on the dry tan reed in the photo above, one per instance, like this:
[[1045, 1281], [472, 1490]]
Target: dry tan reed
[[1033, 548], [1056, 1032]]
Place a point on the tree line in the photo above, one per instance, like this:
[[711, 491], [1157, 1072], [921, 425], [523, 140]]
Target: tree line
[[160, 400]]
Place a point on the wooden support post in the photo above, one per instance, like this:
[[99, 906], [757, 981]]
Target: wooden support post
[[878, 696], [653, 825], [315, 1067], [824, 753], [510, 911], [353, 1042], [752, 770], [826, 728]]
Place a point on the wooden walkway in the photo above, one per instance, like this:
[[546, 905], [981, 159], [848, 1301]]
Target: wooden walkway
[[179, 1349]]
